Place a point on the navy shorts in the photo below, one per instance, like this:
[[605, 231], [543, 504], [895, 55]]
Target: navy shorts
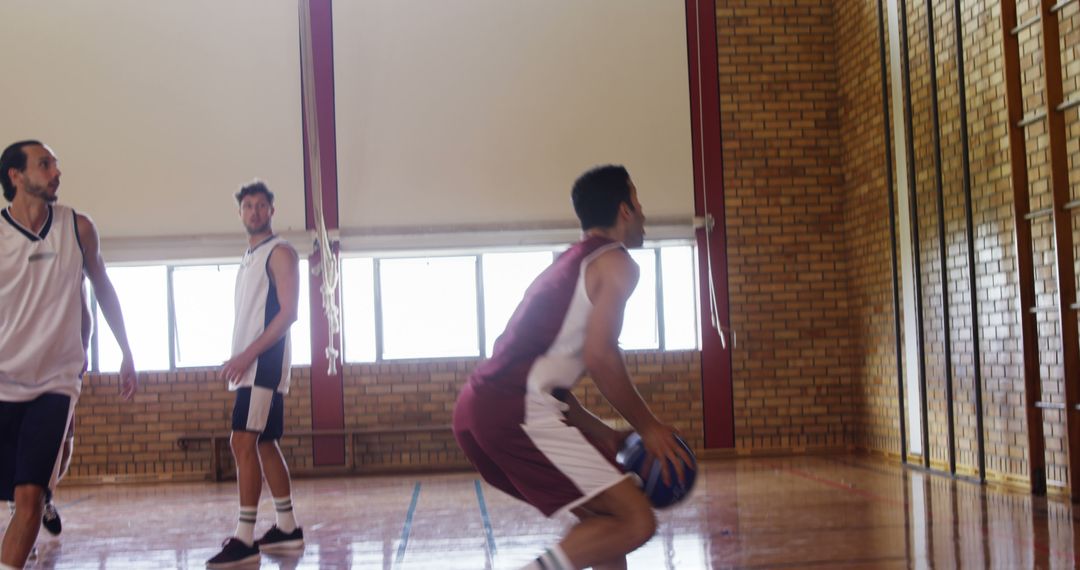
[[31, 434], [260, 410]]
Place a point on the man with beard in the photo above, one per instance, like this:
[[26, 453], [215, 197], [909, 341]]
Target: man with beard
[[267, 287], [45, 250]]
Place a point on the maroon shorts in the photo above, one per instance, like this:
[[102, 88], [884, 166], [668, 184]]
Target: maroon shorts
[[544, 462]]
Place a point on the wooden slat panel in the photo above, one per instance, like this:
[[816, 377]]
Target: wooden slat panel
[[1025, 264]]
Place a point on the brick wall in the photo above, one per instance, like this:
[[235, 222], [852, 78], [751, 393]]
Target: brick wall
[[137, 440], [793, 366], [866, 226], [996, 276]]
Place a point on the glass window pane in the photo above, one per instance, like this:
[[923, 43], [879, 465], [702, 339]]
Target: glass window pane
[[91, 307], [506, 277], [358, 308], [144, 301], [429, 307], [677, 269], [301, 329], [639, 323], [203, 300]]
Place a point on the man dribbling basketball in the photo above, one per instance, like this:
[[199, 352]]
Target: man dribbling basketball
[[516, 418]]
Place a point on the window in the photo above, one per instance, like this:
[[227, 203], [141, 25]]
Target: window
[[204, 313], [144, 301], [300, 333], [429, 307], [358, 309], [639, 322], [426, 307], [678, 272], [506, 277]]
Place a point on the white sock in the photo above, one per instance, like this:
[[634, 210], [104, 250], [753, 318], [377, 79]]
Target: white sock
[[245, 528], [552, 559], [286, 521]]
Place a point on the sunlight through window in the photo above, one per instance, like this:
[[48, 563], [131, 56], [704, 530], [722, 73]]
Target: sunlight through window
[[506, 277], [639, 323], [429, 307], [143, 299], [203, 298], [358, 308], [678, 271]]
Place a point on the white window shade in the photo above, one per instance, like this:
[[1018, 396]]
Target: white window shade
[[480, 114], [159, 111]]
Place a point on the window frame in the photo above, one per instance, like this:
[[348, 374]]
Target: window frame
[[477, 254]]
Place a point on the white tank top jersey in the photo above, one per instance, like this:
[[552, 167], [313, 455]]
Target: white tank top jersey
[[256, 303], [40, 307]]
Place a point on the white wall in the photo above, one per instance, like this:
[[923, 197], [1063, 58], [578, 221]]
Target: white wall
[[463, 116], [481, 113], [159, 110]]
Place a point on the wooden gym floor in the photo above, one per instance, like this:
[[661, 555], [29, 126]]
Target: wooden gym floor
[[843, 511]]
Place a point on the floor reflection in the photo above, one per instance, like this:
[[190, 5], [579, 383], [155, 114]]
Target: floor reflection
[[798, 512]]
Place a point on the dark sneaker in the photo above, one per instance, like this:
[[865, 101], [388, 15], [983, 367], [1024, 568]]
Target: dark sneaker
[[234, 553], [51, 520], [275, 539]]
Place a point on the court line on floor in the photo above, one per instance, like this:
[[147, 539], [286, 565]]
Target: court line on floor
[[848, 487], [484, 516], [408, 525], [75, 502]]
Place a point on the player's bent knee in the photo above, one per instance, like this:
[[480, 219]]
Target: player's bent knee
[[642, 527], [628, 505], [637, 515], [638, 522]]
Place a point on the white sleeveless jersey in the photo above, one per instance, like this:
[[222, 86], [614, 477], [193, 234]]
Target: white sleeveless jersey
[[256, 304], [40, 307]]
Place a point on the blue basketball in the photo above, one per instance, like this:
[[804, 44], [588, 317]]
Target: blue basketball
[[631, 458]]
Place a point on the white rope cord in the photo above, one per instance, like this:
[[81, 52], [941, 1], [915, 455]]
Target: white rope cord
[[328, 262], [714, 310]]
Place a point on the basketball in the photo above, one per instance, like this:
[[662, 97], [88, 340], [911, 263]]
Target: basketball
[[631, 458]]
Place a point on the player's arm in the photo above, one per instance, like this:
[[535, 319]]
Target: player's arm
[[94, 269], [594, 428], [610, 279], [284, 266]]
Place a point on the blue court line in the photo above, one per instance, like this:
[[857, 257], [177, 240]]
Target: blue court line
[[75, 502], [484, 515], [408, 524]]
